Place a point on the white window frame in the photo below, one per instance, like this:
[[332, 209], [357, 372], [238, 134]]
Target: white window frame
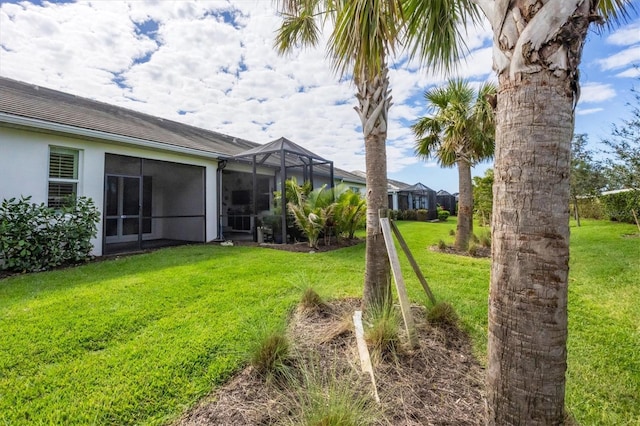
[[54, 201]]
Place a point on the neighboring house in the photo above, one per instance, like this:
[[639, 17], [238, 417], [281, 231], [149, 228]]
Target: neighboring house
[[403, 196], [156, 182], [447, 201]]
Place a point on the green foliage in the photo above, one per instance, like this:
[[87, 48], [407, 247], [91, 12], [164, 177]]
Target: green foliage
[[318, 212], [270, 355], [443, 214], [311, 301], [135, 340], [422, 215], [410, 215], [349, 212], [382, 323], [311, 211], [442, 245], [619, 206], [483, 197], [331, 399], [484, 239], [623, 164], [34, 237], [586, 178]]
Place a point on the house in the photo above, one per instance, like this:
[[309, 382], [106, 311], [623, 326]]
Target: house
[[156, 182], [447, 201], [403, 196]]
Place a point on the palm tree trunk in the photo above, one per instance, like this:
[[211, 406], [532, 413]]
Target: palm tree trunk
[[465, 206], [374, 102], [528, 293]]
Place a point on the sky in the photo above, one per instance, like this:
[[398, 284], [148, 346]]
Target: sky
[[212, 64]]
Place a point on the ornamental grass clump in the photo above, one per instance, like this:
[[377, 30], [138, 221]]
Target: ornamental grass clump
[[442, 313], [331, 398], [270, 355], [382, 324], [312, 302]]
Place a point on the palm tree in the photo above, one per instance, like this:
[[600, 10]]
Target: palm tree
[[537, 49], [460, 133], [365, 34]]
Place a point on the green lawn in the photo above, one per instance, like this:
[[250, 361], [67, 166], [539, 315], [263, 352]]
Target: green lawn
[[140, 339]]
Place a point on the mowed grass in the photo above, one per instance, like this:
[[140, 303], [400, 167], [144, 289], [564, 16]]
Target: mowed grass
[[142, 338]]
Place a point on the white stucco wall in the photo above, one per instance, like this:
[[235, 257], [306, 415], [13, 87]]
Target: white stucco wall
[[24, 156]]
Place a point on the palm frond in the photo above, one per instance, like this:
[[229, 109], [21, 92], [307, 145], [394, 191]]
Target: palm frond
[[616, 12], [433, 33], [299, 24], [365, 32]]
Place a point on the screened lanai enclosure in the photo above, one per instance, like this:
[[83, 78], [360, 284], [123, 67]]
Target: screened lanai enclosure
[[151, 203], [248, 199]]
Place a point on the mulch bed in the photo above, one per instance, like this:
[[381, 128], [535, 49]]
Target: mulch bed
[[438, 383], [303, 247]]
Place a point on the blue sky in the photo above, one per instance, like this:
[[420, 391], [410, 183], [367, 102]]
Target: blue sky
[[211, 64]]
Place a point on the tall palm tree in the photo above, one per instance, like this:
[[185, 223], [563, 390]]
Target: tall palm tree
[[365, 34], [459, 133], [537, 49]]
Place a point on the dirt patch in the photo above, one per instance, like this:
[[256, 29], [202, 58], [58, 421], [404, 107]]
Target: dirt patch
[[438, 383]]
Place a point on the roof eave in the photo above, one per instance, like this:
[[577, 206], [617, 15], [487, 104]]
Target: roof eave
[[26, 122]]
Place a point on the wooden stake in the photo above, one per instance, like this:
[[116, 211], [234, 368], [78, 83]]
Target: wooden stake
[[413, 263], [405, 307], [363, 350]]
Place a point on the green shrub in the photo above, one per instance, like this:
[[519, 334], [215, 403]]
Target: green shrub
[[410, 215], [422, 215], [34, 237], [443, 215], [588, 208], [442, 245], [473, 249], [618, 206], [485, 238]]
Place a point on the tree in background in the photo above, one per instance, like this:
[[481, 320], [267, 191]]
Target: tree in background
[[483, 197], [459, 133], [623, 165], [364, 35], [624, 149], [586, 179]]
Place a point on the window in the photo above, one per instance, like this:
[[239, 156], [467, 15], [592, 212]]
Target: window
[[63, 176]]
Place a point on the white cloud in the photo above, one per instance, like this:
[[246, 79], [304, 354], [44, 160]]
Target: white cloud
[[630, 73], [587, 111], [626, 36], [214, 61], [596, 92], [623, 58]]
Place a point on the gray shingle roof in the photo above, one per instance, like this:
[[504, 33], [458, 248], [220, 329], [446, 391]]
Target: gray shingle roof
[[39, 103], [27, 100]]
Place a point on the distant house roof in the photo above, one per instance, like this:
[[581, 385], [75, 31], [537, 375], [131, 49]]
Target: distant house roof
[[278, 146], [442, 192], [396, 185], [418, 187]]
